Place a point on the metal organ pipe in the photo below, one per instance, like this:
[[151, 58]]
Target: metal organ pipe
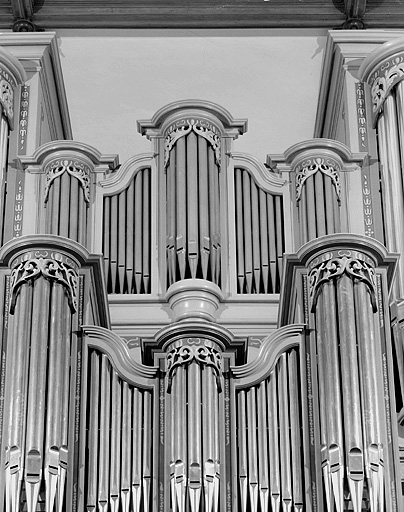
[[259, 236], [67, 196], [269, 438], [126, 236]]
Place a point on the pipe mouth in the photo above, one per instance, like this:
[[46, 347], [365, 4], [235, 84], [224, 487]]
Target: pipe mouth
[[194, 299]]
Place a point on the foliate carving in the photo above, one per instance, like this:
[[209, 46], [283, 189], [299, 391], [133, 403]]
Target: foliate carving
[[200, 126], [50, 265], [77, 170], [7, 85], [387, 74], [310, 166], [331, 266], [194, 349]]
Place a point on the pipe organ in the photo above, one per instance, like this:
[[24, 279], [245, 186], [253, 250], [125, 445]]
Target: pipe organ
[[196, 331]]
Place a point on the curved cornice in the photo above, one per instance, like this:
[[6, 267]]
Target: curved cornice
[[262, 176], [114, 347], [13, 248], [172, 111], [59, 148], [272, 347], [120, 179], [370, 246], [324, 146]]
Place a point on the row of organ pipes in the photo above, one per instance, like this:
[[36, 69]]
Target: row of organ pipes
[[119, 424]]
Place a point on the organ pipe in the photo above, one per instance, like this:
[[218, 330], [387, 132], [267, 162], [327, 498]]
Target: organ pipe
[[126, 236], [259, 236], [270, 463], [193, 210]]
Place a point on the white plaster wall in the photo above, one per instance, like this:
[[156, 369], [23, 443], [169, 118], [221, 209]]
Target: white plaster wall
[[113, 78]]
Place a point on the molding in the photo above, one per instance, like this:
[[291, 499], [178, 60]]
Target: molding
[[262, 176], [42, 47], [116, 348], [120, 179], [162, 119], [272, 347], [63, 148], [345, 50]]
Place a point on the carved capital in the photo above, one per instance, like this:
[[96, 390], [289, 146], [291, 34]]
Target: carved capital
[[332, 265], [310, 166], [48, 264], [76, 169], [200, 126], [199, 350]]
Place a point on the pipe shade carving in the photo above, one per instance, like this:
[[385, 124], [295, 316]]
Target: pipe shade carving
[[50, 265]]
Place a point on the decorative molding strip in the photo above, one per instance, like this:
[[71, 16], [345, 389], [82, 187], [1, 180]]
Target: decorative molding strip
[[387, 74], [18, 209], [182, 127], [23, 121], [199, 350], [76, 169], [7, 85], [333, 265], [50, 265], [310, 166]]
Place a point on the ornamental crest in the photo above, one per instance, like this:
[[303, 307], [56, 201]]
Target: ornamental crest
[[52, 266], [201, 127], [354, 264], [6, 94], [310, 166], [194, 350], [77, 170]]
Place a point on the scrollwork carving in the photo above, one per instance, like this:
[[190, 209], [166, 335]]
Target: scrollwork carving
[[7, 93], [77, 170], [310, 166], [194, 349], [50, 265], [384, 78], [182, 127], [355, 265]]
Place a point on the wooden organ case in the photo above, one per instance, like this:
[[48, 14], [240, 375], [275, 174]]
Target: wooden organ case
[[175, 415]]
